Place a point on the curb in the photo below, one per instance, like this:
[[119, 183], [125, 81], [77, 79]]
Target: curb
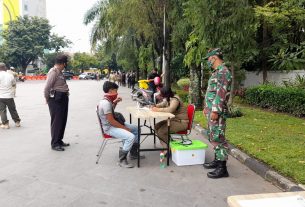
[[260, 168]]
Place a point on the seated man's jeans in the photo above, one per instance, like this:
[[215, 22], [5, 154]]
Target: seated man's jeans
[[128, 137]]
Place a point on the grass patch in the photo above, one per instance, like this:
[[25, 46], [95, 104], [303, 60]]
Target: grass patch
[[276, 139]]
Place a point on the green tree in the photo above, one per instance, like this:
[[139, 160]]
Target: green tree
[[114, 19], [281, 37], [193, 59], [25, 40], [58, 42], [229, 25], [49, 60], [82, 61]]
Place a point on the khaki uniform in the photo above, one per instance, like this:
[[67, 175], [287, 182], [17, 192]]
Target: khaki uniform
[[56, 93], [179, 123]]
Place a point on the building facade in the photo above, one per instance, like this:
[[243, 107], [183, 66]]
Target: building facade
[[34, 8], [11, 9]]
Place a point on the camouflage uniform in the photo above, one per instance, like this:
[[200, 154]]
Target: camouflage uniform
[[216, 98]]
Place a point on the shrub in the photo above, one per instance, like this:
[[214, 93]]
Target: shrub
[[184, 83], [235, 112], [183, 95], [298, 82], [283, 99]]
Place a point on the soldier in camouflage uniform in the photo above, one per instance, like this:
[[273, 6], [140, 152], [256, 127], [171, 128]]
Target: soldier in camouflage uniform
[[216, 109]]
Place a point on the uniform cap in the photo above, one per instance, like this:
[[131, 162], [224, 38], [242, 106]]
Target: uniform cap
[[216, 51]]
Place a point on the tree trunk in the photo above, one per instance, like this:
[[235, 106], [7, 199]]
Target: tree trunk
[[264, 55], [138, 74], [145, 72], [230, 103], [23, 69], [24, 65], [195, 90], [160, 63], [153, 56], [202, 84]]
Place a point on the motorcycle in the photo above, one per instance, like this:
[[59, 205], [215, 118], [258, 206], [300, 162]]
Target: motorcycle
[[143, 95], [21, 78]]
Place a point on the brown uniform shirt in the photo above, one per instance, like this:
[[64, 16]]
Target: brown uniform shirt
[[55, 81], [174, 103]]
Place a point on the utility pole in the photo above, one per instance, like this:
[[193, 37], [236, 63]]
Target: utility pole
[[165, 51]]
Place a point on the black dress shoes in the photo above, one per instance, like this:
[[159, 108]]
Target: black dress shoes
[[65, 144], [58, 148]]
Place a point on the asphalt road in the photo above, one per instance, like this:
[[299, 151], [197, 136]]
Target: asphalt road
[[31, 174]]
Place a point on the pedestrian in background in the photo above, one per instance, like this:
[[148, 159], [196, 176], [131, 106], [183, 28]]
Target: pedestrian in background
[[56, 93], [132, 80], [216, 110], [128, 76], [151, 77], [7, 84], [124, 78], [13, 72]]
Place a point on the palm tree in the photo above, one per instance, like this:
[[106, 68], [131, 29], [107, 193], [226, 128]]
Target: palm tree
[[97, 15]]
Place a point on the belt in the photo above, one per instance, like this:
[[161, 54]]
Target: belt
[[64, 93]]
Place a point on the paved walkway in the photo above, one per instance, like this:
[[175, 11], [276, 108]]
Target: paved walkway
[[31, 174]]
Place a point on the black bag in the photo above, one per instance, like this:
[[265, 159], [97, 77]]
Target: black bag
[[119, 117]]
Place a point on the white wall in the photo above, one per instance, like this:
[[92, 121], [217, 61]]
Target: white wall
[[254, 78]]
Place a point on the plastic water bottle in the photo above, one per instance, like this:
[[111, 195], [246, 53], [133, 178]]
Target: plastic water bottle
[[162, 160]]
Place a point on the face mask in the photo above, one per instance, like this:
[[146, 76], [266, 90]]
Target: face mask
[[210, 64], [111, 97]]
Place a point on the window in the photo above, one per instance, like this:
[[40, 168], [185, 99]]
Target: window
[[25, 7]]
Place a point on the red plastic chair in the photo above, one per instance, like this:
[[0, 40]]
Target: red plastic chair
[[191, 113], [105, 138]]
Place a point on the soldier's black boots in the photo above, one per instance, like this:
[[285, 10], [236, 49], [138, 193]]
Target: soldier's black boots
[[133, 155], [220, 171], [211, 165], [123, 159]]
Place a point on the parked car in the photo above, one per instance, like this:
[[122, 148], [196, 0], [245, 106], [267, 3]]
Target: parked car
[[86, 76], [68, 75]]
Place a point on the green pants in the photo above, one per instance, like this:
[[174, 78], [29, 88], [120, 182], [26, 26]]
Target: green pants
[[10, 104], [216, 135]]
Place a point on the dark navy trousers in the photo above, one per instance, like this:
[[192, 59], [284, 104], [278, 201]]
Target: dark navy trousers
[[58, 107]]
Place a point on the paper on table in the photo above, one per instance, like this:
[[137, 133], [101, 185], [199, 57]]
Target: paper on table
[[144, 108], [289, 201]]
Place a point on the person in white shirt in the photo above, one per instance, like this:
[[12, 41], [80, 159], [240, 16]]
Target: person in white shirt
[[7, 83], [12, 71]]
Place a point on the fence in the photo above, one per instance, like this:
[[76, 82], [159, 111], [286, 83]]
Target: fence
[[43, 77]]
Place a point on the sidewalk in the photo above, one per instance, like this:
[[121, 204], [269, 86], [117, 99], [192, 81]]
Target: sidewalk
[[31, 174]]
